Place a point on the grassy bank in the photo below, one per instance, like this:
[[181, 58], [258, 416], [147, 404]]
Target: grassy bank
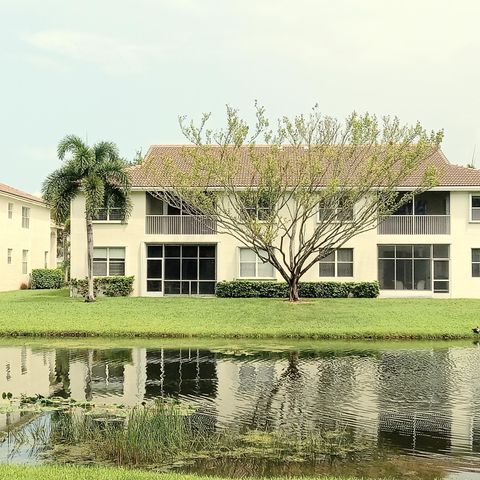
[[53, 313], [96, 473]]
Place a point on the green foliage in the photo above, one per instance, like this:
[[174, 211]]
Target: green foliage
[[250, 289], [47, 278], [106, 286]]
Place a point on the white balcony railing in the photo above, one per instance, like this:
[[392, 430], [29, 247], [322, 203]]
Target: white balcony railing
[[180, 225], [415, 225]]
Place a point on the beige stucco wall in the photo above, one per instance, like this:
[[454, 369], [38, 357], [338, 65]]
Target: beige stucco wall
[[37, 239], [464, 236]]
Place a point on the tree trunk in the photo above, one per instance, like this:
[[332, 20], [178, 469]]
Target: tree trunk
[[293, 295], [91, 294]]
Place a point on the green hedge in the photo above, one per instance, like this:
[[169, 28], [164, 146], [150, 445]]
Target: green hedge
[[103, 286], [47, 278], [248, 289]]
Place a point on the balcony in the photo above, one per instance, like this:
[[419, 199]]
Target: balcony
[[180, 225], [415, 225]]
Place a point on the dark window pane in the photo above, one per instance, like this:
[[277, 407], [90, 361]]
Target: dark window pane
[[189, 269], [190, 251], [345, 269], [386, 274], [441, 251], [154, 285], [172, 288], [440, 286], [100, 269], [475, 270], [475, 201], [329, 258], [117, 268], [422, 275], [440, 270], [185, 288], [193, 288], [154, 251], [171, 210], [207, 269], [327, 270], [475, 254], [207, 251], [421, 251], [405, 209], [172, 250], [403, 280], [154, 268], [345, 255], [404, 251], [172, 269], [386, 251], [154, 205], [206, 288]]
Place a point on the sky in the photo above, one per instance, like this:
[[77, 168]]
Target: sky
[[124, 70]]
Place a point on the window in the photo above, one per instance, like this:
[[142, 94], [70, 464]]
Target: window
[[252, 266], [108, 261], [9, 256], [25, 217], [259, 208], [342, 213], [475, 208], [45, 259], [112, 214], [10, 210], [338, 264], [475, 262], [414, 267], [24, 262]]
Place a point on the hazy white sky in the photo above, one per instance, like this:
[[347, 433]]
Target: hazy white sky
[[123, 70]]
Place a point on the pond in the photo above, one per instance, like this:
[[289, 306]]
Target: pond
[[403, 409]]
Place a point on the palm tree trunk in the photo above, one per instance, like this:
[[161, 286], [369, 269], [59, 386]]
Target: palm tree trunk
[[91, 294]]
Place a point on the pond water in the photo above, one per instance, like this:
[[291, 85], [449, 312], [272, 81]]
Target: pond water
[[413, 409]]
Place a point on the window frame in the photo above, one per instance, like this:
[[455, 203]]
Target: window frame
[[25, 217], [10, 210], [108, 274], [257, 261], [474, 263], [336, 218], [471, 220], [107, 218], [335, 264], [9, 256]]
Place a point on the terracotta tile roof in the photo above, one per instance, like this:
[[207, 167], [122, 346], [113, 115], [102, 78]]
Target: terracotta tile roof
[[149, 174], [18, 193]]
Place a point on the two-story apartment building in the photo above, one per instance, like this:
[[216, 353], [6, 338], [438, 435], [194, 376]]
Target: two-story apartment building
[[27, 238], [431, 247]]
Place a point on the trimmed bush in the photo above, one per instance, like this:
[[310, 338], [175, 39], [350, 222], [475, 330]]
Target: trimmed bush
[[43, 278], [250, 289], [103, 286]]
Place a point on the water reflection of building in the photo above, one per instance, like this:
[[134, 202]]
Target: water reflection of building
[[420, 399]]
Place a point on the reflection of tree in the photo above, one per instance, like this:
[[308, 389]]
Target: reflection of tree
[[289, 382], [62, 367]]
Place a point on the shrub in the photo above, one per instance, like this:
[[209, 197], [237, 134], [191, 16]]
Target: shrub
[[103, 286], [249, 289], [47, 278]]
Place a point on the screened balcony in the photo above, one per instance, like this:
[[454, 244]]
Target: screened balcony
[[427, 214], [165, 219]]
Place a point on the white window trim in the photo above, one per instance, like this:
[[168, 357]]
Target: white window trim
[[335, 263], [108, 261], [9, 256], [10, 210], [471, 207], [25, 255], [257, 260], [319, 220]]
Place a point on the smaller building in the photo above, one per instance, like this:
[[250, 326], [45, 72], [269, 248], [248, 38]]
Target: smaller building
[[28, 239]]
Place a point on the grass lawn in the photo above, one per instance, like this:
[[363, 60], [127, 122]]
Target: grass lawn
[[52, 312], [97, 473]]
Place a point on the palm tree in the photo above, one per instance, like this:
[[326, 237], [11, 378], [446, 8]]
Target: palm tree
[[99, 174]]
